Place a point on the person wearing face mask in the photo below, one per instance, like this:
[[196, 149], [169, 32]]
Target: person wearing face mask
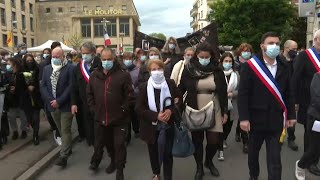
[[55, 88], [140, 57], [81, 76], [232, 79], [144, 74], [110, 96], [265, 105], [204, 82], [245, 52], [131, 68], [288, 55], [171, 54], [31, 72], [157, 124], [22, 50], [16, 98], [179, 67], [304, 67]]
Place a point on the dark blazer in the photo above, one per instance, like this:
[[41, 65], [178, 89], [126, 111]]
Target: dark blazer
[[189, 85], [79, 84], [314, 108], [147, 130], [63, 90], [258, 105]]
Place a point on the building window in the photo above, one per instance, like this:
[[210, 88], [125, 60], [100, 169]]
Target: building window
[[112, 27], [24, 40], [23, 5], [4, 40], [111, 7], [13, 3], [72, 9], [31, 24], [14, 18], [60, 10], [124, 7], [23, 22], [32, 42], [15, 41], [2, 1], [125, 26], [99, 27], [85, 8], [3, 17], [201, 14], [98, 7], [86, 27], [47, 10], [31, 8], [201, 2], [201, 25]]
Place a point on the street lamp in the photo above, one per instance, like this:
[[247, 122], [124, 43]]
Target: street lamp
[[122, 34]]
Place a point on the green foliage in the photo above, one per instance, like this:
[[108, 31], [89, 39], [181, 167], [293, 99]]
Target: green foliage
[[158, 36], [247, 20]]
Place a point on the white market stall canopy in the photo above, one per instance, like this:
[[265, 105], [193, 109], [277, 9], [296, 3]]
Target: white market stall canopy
[[48, 45]]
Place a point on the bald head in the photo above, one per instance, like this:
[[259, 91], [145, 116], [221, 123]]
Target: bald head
[[58, 53]]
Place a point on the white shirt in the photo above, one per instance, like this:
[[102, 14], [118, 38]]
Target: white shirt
[[272, 68]]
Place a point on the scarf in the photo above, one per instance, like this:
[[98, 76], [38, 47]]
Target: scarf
[[162, 127], [55, 76], [232, 84]]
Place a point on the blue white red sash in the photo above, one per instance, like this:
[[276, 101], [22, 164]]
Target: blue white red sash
[[85, 70], [269, 81], [314, 57]]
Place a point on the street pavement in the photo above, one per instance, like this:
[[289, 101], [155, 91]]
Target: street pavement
[[138, 167]]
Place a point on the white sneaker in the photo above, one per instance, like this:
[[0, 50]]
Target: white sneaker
[[57, 139], [300, 173], [225, 145], [220, 156]]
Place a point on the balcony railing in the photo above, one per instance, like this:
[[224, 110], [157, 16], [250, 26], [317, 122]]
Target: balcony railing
[[193, 23], [193, 12]]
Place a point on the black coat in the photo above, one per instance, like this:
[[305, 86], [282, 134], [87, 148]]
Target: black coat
[[174, 59], [42, 65], [35, 94], [258, 105], [79, 84], [314, 108]]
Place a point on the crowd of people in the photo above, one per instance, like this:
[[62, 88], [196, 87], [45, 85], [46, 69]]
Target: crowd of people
[[147, 91]]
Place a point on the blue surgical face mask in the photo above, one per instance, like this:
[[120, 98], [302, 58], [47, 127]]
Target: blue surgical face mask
[[9, 68], [227, 66], [246, 55], [87, 57], [127, 62], [56, 61], [172, 46], [45, 56], [143, 58], [204, 62], [107, 64], [273, 51], [154, 57]]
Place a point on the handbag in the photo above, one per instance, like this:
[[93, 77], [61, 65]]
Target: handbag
[[202, 119]]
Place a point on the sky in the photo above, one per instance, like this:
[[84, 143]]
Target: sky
[[171, 17]]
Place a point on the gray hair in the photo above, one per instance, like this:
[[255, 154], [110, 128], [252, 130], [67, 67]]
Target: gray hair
[[90, 46]]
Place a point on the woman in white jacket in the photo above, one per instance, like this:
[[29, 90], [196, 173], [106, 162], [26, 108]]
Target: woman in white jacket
[[179, 67]]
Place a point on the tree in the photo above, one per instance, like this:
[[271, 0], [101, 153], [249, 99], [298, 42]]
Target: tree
[[158, 36], [247, 20], [299, 33], [76, 41]]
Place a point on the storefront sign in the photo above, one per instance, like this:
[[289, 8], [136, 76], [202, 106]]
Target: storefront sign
[[102, 12]]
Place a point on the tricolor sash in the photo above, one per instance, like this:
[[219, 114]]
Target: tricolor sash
[[85, 70], [269, 81], [314, 57]]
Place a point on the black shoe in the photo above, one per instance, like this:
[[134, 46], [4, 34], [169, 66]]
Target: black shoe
[[213, 170], [119, 175], [245, 148], [199, 172], [36, 140], [238, 139], [253, 178], [111, 168], [292, 145], [15, 135], [23, 135], [62, 162], [94, 166], [314, 170]]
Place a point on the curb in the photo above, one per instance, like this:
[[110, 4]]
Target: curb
[[37, 168]]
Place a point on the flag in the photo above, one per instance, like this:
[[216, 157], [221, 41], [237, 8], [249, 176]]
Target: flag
[[107, 40], [10, 39]]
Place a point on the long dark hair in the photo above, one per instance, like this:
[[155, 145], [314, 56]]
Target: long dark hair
[[15, 63], [224, 55], [25, 64]]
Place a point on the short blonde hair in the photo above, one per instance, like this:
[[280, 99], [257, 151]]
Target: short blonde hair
[[156, 50], [158, 62], [189, 49]]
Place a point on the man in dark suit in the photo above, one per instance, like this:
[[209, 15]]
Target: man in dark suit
[[261, 114], [79, 103]]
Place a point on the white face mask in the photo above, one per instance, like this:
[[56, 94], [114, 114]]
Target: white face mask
[[157, 76], [187, 58], [154, 57]]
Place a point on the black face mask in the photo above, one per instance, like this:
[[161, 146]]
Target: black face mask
[[99, 55], [30, 65], [292, 54]]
